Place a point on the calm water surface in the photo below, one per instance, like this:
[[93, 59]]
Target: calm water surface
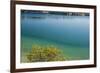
[[68, 33]]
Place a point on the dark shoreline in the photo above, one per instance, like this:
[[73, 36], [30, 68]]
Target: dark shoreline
[[55, 13]]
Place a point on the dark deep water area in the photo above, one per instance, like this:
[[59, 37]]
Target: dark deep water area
[[68, 33]]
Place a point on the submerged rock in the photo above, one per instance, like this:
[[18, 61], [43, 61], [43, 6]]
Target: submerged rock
[[44, 54]]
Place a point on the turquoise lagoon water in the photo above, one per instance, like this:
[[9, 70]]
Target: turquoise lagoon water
[[68, 33]]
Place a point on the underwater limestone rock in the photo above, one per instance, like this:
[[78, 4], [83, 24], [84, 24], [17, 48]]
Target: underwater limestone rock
[[45, 54]]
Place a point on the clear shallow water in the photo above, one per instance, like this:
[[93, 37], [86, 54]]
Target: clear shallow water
[[68, 33]]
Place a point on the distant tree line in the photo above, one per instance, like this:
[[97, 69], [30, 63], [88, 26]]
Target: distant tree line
[[56, 13]]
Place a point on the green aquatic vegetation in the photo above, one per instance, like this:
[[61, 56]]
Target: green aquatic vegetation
[[44, 54]]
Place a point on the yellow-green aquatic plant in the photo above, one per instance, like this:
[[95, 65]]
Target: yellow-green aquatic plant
[[44, 54]]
